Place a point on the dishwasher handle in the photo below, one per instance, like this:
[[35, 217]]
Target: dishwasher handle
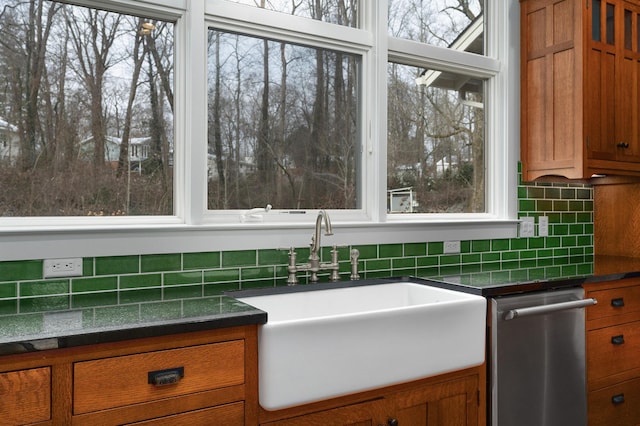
[[545, 309]]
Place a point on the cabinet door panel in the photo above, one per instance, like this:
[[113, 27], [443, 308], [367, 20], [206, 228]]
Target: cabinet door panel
[[453, 403], [363, 414], [227, 415], [25, 396], [614, 302], [613, 350], [125, 380], [616, 405]]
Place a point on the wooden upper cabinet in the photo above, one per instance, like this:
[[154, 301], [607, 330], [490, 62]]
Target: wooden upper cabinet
[[580, 66]]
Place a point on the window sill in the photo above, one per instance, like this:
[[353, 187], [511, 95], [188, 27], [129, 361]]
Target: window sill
[[93, 241]]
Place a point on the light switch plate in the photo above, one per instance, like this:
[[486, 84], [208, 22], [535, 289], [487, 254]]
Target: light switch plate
[[543, 226], [527, 227]]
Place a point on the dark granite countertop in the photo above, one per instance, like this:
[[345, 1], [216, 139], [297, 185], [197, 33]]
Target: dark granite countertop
[[37, 331], [101, 324]]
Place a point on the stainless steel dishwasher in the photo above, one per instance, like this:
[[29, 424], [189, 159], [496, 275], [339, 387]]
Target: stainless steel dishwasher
[[538, 359]]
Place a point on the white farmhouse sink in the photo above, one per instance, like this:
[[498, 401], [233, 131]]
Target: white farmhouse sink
[[325, 343]]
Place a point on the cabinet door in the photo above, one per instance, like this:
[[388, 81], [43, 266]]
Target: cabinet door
[[364, 414], [227, 415], [453, 403], [628, 87], [551, 110], [613, 350], [25, 396], [616, 405], [600, 94], [612, 98]]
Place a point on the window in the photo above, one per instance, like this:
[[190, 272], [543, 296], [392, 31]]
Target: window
[[435, 154], [283, 124], [105, 80], [390, 114]]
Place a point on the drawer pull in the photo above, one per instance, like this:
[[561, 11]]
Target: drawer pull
[[618, 340], [617, 399], [170, 376], [618, 302]]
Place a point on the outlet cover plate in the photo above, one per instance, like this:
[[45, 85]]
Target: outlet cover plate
[[451, 247], [71, 267]]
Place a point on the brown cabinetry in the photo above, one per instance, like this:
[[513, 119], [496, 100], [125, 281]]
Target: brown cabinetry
[[456, 399], [613, 345], [189, 379], [25, 396], [580, 70]]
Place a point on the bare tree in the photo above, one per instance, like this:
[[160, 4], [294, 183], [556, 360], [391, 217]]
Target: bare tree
[[138, 59], [93, 33]]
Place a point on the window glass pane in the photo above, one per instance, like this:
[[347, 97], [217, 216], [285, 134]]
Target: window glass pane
[[341, 12], [457, 24], [611, 28], [436, 134], [596, 24], [87, 127], [283, 125]]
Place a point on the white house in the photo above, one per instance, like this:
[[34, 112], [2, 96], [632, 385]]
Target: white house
[[139, 149], [9, 142]]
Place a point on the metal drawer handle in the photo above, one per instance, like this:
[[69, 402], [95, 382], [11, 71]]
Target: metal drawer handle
[[618, 340], [545, 309], [617, 399], [618, 302], [170, 376]]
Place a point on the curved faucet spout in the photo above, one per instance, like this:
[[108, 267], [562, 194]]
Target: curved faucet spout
[[315, 241]]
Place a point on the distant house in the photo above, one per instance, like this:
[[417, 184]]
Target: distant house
[[9, 142], [246, 166], [139, 150]]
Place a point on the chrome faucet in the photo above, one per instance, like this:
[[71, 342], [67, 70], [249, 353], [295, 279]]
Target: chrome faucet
[[315, 239], [314, 265]]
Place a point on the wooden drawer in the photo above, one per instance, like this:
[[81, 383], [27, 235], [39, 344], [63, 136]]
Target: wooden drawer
[[613, 350], [25, 396], [614, 301], [617, 405], [125, 380], [227, 415]]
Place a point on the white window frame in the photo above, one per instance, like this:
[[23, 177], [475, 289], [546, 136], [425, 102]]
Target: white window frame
[[193, 228]]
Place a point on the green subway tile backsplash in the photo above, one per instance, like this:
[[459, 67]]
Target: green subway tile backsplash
[[117, 265], [160, 262], [21, 270], [201, 260], [566, 251]]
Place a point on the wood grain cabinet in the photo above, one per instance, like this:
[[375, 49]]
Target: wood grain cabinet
[[192, 379], [446, 400], [25, 396], [580, 88], [613, 346]]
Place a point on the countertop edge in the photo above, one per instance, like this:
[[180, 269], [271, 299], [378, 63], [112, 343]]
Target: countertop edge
[[138, 331]]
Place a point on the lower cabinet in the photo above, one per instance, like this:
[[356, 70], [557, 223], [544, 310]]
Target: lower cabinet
[[432, 402], [203, 379], [192, 379], [613, 345]]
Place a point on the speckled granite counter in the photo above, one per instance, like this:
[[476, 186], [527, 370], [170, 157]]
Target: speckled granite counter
[[100, 324], [487, 286]]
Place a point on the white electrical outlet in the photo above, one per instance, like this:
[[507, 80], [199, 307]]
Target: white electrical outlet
[[543, 226], [71, 267], [527, 227], [451, 247]]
